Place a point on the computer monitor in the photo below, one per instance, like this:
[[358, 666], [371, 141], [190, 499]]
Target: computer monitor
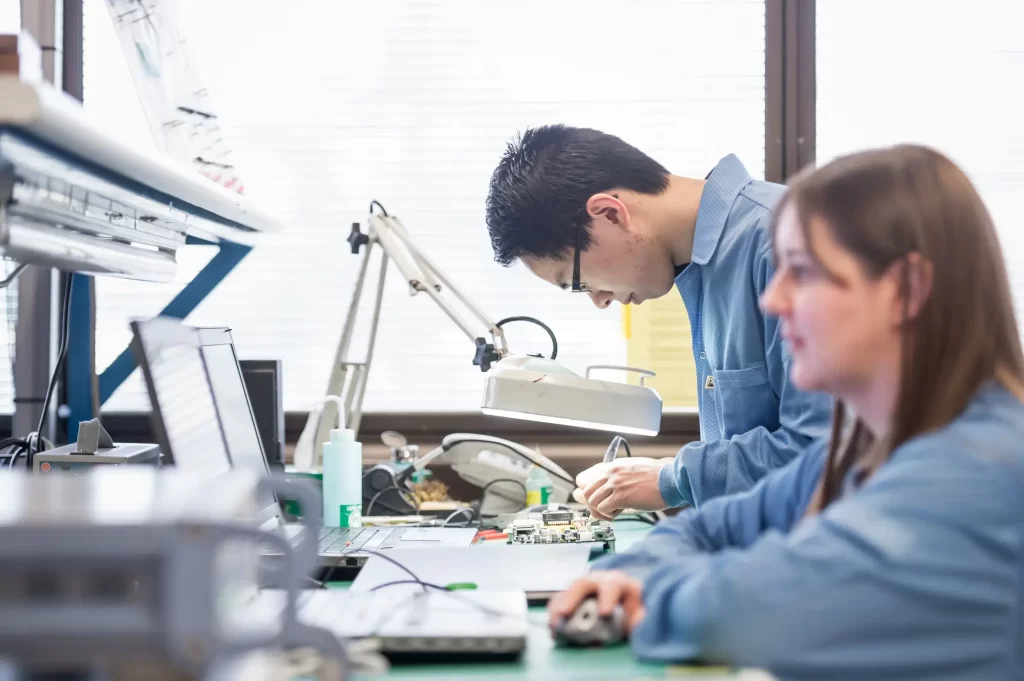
[[263, 385]]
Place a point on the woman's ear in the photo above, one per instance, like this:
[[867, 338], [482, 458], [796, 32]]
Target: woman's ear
[[916, 277]]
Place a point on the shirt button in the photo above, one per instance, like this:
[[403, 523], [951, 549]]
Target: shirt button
[[703, 356]]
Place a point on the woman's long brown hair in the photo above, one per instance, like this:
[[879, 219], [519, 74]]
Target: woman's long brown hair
[[882, 206]]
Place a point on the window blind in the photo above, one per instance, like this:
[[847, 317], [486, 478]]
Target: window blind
[[937, 72], [329, 105]]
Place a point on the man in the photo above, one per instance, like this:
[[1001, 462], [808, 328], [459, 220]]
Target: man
[[587, 212]]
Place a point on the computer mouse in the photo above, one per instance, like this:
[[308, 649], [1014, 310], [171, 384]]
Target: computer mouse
[[586, 628]]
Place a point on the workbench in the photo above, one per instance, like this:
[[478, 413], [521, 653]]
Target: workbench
[[542, 661]]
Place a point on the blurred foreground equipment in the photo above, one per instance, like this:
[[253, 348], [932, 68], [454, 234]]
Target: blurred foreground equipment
[[143, 573]]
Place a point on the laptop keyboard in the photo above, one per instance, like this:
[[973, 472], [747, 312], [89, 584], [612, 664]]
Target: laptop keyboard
[[354, 539]]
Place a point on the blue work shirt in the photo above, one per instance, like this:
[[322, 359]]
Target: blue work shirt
[[916, 574], [752, 419]]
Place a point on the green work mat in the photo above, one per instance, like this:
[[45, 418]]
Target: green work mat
[[542, 661]]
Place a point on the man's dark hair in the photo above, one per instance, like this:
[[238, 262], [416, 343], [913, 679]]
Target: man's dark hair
[[538, 194]]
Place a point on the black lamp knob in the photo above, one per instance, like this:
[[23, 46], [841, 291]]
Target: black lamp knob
[[356, 238], [485, 354]]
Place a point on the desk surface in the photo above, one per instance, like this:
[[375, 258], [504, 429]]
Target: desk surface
[[543, 662]]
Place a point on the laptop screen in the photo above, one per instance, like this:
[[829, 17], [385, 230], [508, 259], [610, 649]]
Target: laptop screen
[[229, 392], [240, 431], [181, 394]]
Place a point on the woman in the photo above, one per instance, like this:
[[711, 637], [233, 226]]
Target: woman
[[897, 550]]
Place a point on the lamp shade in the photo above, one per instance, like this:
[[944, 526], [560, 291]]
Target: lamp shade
[[538, 389]]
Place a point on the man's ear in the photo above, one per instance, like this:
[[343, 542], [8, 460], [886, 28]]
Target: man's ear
[[609, 207], [915, 275]]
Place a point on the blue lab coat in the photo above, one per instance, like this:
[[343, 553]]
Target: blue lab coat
[[916, 574], [752, 419]]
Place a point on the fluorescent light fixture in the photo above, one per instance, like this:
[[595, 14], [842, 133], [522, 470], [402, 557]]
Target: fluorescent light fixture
[[26, 240], [538, 389], [75, 197]]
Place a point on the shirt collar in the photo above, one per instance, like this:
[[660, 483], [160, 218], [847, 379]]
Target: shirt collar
[[723, 184]]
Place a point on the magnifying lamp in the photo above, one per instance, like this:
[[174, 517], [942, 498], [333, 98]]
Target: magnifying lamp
[[539, 389]]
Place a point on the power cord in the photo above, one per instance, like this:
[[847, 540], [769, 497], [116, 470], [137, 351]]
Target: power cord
[[426, 586], [377, 203], [401, 492], [610, 455], [533, 320], [457, 512], [487, 487], [65, 314], [16, 445], [391, 560], [612, 452]]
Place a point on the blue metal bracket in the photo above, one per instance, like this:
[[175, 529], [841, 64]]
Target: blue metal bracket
[[81, 349]]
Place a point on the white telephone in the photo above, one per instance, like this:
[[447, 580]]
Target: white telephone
[[483, 459]]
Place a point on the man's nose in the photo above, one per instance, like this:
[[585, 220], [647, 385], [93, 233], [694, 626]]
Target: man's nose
[[601, 298]]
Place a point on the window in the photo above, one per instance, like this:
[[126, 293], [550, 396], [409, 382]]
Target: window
[[940, 73], [329, 105]]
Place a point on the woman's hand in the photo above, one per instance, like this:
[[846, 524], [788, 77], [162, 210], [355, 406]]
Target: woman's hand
[[612, 588]]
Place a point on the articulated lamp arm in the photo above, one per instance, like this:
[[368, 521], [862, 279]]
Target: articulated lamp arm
[[346, 384], [423, 275]]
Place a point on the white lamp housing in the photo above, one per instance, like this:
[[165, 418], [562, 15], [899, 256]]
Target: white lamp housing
[[538, 389]]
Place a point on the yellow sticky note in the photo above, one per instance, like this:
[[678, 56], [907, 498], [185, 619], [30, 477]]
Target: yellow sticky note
[[658, 338]]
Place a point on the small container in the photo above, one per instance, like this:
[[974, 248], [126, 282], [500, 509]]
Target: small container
[[343, 480], [539, 487]]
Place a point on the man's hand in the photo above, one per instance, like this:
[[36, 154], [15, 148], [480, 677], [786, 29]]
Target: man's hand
[[612, 588], [607, 488]]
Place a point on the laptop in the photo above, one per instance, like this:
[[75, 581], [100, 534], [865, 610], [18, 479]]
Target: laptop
[[415, 625], [204, 422]]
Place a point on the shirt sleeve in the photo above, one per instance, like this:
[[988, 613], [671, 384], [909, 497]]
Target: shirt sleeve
[[704, 470], [733, 521], [912, 577]]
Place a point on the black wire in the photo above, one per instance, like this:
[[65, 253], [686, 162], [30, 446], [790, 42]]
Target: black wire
[[375, 497], [62, 354], [329, 574], [8, 441], [426, 585], [448, 592], [454, 593], [393, 562], [487, 487], [17, 446], [377, 203], [625, 443], [532, 320], [429, 585]]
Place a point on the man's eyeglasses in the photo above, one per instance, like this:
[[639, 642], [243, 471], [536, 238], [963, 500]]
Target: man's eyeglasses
[[577, 287]]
